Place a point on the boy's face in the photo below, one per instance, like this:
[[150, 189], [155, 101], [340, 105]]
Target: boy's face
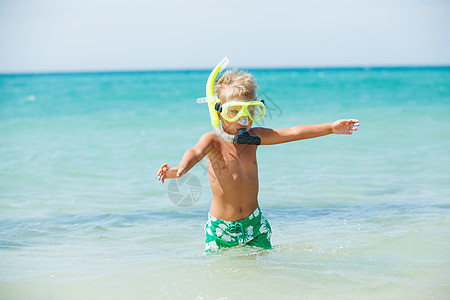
[[233, 127]]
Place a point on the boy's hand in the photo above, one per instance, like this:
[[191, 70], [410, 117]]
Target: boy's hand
[[167, 172], [345, 126]]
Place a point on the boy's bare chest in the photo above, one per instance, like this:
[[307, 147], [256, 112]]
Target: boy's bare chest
[[234, 159]]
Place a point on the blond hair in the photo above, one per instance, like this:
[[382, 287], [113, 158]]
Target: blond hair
[[235, 84]]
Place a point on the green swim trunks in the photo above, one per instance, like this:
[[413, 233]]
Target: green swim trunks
[[253, 231]]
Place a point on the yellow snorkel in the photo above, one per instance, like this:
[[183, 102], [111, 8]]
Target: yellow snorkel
[[244, 137], [215, 121]]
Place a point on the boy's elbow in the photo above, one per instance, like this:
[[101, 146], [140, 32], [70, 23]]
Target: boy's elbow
[[196, 154]]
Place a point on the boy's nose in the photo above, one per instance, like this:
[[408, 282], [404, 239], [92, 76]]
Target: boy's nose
[[243, 121]]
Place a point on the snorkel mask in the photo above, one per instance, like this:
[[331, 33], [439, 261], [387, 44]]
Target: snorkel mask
[[232, 111]]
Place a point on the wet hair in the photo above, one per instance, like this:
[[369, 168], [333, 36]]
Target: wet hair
[[234, 84]]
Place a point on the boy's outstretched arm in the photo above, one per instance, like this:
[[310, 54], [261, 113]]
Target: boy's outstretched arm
[[190, 158], [277, 136]]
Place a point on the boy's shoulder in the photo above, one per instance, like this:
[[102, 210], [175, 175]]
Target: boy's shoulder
[[207, 142], [209, 136], [259, 131]]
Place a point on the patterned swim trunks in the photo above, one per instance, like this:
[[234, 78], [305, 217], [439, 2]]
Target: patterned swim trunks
[[253, 231]]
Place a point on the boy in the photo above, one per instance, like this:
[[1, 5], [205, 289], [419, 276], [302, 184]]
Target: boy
[[235, 217]]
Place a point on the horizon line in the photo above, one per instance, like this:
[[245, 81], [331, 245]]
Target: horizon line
[[282, 68]]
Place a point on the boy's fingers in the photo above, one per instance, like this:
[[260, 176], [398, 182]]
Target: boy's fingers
[[163, 166]]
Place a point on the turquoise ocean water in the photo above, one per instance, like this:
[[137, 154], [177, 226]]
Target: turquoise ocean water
[[82, 215]]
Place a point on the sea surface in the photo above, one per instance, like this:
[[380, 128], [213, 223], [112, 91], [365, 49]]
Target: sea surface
[[82, 215]]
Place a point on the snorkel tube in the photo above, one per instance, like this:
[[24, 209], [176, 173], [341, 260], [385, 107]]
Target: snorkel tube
[[243, 136]]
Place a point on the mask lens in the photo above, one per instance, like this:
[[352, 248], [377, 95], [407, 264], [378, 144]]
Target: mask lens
[[233, 111], [255, 111]]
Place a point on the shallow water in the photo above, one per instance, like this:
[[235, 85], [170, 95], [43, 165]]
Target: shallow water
[[363, 216]]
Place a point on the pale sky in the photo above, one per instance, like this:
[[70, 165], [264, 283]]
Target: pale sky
[[109, 35]]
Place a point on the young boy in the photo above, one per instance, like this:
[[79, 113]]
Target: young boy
[[235, 217]]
